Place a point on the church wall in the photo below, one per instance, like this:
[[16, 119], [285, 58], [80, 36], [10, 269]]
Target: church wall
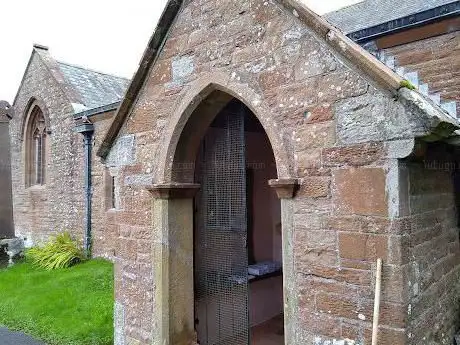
[[343, 136], [104, 228], [58, 205], [433, 250], [41, 211]]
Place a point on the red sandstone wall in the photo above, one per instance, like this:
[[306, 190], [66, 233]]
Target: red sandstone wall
[[338, 129], [40, 211], [104, 229], [433, 255]]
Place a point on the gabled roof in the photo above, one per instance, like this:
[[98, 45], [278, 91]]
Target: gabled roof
[[96, 89], [440, 122], [84, 88], [374, 12]]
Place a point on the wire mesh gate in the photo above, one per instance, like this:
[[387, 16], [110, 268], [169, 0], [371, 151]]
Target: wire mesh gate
[[221, 284]]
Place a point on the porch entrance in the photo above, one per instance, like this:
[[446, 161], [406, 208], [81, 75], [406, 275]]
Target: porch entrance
[[238, 286]]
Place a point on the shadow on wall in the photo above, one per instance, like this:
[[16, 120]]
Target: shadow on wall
[[456, 176]]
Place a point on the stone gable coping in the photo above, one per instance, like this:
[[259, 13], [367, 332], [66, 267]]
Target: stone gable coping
[[53, 67], [363, 60], [151, 53], [43, 54]]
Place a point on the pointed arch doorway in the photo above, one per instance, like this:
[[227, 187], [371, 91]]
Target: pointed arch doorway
[[238, 287], [207, 241]]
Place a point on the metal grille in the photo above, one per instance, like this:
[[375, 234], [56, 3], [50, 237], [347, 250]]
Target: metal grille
[[221, 285]]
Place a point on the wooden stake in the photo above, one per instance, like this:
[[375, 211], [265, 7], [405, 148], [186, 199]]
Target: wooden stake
[[378, 283]]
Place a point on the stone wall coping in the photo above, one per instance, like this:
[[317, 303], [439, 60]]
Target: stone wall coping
[[151, 54], [173, 190], [285, 188]]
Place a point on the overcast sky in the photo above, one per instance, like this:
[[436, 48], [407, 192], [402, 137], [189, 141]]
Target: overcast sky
[[105, 35]]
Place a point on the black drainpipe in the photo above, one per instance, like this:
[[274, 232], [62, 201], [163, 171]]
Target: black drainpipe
[[87, 129]]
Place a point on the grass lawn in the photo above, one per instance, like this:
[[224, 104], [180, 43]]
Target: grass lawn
[[65, 307]]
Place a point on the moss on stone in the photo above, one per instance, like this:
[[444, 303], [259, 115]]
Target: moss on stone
[[407, 84]]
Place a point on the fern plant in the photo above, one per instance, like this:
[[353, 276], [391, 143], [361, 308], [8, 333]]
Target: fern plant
[[60, 252]]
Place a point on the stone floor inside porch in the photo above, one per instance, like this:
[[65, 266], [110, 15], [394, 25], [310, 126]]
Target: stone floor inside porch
[[270, 332]]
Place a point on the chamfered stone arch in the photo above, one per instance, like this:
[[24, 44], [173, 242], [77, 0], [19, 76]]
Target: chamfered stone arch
[[172, 207], [197, 92]]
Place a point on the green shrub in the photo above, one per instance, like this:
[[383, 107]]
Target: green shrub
[[60, 252]]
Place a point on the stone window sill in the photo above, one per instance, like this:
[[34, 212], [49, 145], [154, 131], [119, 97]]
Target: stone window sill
[[36, 187]]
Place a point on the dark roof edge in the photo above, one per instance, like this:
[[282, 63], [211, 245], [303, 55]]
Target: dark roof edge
[[151, 53], [98, 110], [408, 22]]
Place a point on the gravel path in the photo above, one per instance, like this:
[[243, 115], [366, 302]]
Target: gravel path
[[15, 338]]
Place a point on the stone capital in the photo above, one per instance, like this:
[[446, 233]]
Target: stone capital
[[173, 190], [285, 188]]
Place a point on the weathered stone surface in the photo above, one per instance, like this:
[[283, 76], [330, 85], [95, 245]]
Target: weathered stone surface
[[354, 155], [372, 117], [363, 247], [315, 187], [360, 191], [40, 211], [342, 84], [317, 246], [13, 247], [433, 270], [123, 152], [315, 135], [321, 113]]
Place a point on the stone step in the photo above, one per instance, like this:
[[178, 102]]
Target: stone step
[[423, 88], [400, 71], [435, 97], [450, 107], [434, 74], [391, 62], [412, 77]]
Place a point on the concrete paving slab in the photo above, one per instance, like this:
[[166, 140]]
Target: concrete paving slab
[[8, 337]]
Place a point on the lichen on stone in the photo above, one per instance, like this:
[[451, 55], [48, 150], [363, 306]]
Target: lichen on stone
[[407, 84]]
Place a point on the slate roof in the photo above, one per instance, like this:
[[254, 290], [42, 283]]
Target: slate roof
[[374, 12], [95, 89]]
